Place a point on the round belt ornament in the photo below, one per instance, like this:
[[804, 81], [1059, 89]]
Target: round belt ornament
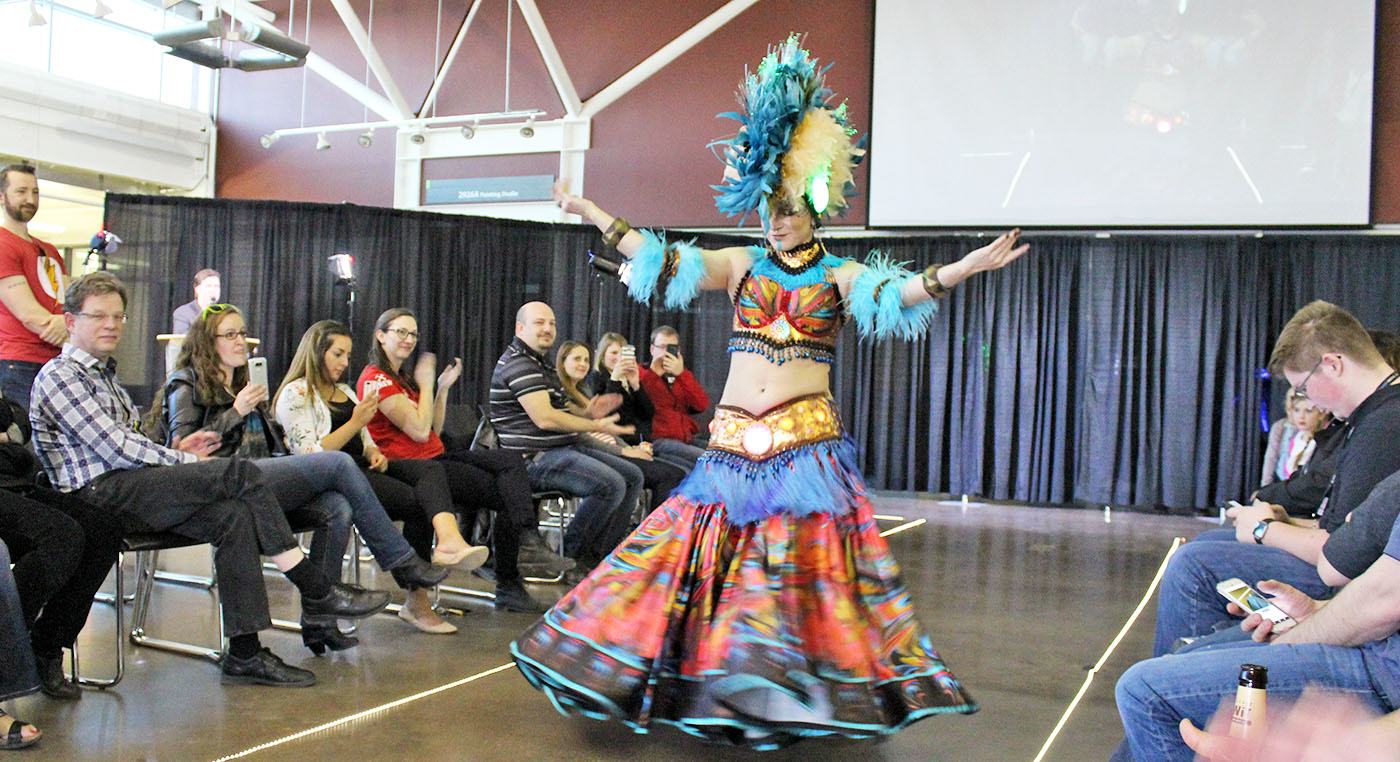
[[758, 439]]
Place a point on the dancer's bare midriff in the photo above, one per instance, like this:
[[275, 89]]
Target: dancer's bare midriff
[[757, 385]]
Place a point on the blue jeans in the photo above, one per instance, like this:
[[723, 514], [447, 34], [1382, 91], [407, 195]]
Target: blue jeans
[[17, 378], [609, 486], [1189, 606], [1154, 695], [17, 673], [331, 482], [676, 453]]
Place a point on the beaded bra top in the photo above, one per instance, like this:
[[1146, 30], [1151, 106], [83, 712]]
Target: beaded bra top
[[787, 308]]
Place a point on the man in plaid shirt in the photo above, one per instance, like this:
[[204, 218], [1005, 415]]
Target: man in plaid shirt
[[87, 435]]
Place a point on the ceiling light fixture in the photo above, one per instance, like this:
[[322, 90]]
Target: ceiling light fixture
[[268, 139], [528, 129], [321, 143], [366, 138], [36, 18]]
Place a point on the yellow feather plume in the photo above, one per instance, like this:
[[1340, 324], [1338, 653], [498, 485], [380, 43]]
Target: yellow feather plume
[[819, 144]]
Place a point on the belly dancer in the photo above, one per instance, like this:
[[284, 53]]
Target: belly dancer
[[759, 605]]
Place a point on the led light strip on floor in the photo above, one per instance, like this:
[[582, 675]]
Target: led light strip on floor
[[1107, 654], [366, 713], [904, 526]]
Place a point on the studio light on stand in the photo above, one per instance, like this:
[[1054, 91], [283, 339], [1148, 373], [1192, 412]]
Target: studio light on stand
[[343, 270]]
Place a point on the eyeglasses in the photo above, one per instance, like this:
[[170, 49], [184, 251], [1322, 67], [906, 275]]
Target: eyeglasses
[[215, 309], [405, 334], [102, 317], [1300, 392], [241, 333]]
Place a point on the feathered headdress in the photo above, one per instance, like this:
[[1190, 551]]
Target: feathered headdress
[[794, 145]]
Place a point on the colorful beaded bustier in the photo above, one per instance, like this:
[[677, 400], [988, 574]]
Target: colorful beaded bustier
[[787, 308]]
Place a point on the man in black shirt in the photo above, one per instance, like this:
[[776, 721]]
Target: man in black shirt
[[1327, 356]]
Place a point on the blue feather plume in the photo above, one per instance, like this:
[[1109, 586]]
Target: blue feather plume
[[886, 317]]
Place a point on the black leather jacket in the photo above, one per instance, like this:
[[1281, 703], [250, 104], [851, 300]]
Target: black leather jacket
[[186, 413]]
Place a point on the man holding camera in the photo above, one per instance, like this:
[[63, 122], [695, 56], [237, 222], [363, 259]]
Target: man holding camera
[[675, 393]]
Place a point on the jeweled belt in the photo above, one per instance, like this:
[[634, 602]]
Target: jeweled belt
[[795, 423]]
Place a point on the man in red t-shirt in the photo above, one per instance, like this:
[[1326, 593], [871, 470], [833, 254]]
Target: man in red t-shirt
[[674, 392], [32, 281]]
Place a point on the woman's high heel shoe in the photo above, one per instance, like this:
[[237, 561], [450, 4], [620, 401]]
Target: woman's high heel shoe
[[319, 638]]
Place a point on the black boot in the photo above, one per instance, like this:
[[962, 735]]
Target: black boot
[[512, 596], [320, 637], [415, 573], [52, 680], [537, 560]]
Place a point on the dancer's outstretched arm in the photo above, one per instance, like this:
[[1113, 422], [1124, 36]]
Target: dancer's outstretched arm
[[720, 264]]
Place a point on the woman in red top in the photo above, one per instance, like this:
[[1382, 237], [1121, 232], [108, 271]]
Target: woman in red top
[[412, 408]]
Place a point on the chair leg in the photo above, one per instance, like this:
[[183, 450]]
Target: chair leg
[[145, 586], [119, 646]]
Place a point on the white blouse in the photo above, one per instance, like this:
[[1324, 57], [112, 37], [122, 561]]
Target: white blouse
[[307, 419]]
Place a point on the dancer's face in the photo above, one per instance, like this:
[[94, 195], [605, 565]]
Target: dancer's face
[[789, 228], [576, 363], [337, 358]]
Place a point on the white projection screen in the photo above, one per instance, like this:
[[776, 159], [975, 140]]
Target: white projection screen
[[1122, 112]]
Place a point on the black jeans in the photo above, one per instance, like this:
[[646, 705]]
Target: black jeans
[[222, 501], [497, 481], [413, 491], [63, 549]]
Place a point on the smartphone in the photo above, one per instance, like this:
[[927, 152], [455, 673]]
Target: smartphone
[[673, 350], [1250, 600], [628, 351], [257, 371]]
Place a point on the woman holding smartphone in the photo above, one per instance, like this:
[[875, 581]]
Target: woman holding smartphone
[[320, 413], [209, 390]]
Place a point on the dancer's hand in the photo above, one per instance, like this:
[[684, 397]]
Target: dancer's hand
[[571, 203], [995, 255]]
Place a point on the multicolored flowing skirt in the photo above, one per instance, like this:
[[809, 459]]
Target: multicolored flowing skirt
[[757, 606]]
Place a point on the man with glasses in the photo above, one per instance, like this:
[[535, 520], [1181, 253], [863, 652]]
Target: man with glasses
[[676, 395], [87, 436], [1329, 358], [32, 277]]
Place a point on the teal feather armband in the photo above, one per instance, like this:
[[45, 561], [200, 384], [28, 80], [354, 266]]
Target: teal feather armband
[[675, 269], [876, 302]]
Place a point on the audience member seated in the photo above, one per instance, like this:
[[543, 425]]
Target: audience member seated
[[207, 287], [675, 393], [89, 442], [531, 416], [1309, 731], [1329, 359], [1291, 439], [1350, 644], [209, 391], [17, 675], [63, 549], [32, 275], [617, 373], [406, 426], [571, 363]]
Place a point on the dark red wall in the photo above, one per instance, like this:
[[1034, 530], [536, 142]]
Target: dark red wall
[[648, 155]]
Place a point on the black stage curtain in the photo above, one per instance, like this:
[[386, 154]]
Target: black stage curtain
[[1117, 370]]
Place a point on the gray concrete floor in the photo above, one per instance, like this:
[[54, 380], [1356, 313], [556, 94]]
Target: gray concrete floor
[[1020, 602]]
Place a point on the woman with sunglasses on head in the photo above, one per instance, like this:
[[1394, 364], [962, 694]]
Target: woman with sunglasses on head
[[209, 390], [320, 412], [412, 409], [572, 362]]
